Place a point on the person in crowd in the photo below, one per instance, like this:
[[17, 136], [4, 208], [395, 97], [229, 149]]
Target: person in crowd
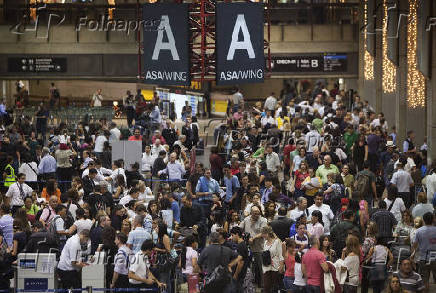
[[189, 256], [311, 186], [316, 227], [341, 230], [273, 264], [6, 225], [50, 190], [282, 224], [97, 99], [242, 263], [326, 248], [351, 258], [313, 264], [395, 204], [138, 235], [425, 244], [96, 232], [379, 258], [422, 207], [47, 166], [385, 221], [140, 275], [214, 255], [327, 213], [395, 285], [253, 226], [409, 280], [71, 260], [404, 227], [403, 181], [17, 192], [272, 160], [326, 169]]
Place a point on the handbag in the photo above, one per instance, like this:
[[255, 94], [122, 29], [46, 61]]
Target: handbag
[[165, 261], [266, 258], [218, 279], [291, 185]]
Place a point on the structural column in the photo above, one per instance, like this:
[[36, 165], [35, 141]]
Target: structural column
[[431, 102]]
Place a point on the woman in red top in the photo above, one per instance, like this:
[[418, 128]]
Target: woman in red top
[[290, 147], [301, 174], [289, 256]]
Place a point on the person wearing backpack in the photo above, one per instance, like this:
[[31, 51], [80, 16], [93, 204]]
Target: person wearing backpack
[[214, 260], [365, 184], [48, 213], [341, 230], [56, 229], [242, 262]]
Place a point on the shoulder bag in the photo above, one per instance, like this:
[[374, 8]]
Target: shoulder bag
[[218, 279]]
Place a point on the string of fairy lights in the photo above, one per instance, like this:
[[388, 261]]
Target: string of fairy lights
[[368, 59], [415, 79], [389, 80]]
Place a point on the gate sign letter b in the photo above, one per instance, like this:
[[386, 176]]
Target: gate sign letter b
[[239, 43], [166, 44]]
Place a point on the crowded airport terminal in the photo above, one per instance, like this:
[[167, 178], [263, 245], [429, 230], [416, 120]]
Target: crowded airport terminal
[[218, 146]]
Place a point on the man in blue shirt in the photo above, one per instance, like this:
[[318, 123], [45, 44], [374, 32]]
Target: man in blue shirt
[[267, 190], [206, 187], [47, 166], [174, 170], [232, 185], [138, 235], [6, 225], [175, 207]]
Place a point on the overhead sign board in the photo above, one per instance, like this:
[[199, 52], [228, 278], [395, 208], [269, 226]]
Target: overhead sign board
[[166, 44], [313, 63], [37, 64], [239, 43]]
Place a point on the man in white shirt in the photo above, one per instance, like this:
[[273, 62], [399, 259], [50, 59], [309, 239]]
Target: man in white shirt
[[327, 213], [272, 160], [140, 275], [313, 139], [97, 98], [270, 103], [115, 133], [157, 147], [17, 192], [71, 260], [147, 160], [268, 120], [237, 100], [99, 142], [403, 181], [117, 169], [100, 175], [300, 209]]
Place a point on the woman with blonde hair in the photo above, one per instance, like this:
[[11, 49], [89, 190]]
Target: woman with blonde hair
[[351, 255], [272, 260]]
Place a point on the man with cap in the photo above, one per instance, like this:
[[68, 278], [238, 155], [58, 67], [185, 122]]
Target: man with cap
[[386, 156], [47, 166]]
